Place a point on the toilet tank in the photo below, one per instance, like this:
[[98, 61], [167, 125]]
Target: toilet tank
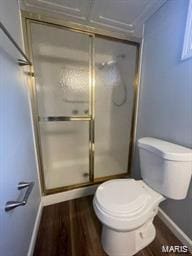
[[165, 167]]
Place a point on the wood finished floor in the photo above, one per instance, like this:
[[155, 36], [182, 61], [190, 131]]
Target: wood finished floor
[[72, 229]]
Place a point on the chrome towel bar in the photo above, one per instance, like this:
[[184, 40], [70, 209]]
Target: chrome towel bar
[[10, 205], [20, 61]]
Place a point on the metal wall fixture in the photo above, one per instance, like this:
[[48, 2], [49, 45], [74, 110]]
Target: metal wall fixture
[[29, 18], [10, 205], [21, 62]]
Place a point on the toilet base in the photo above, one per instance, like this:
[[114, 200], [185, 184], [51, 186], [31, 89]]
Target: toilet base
[[117, 243]]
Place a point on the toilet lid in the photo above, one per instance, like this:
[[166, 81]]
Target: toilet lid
[[122, 196]]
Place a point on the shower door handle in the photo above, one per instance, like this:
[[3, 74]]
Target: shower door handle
[[64, 118], [10, 205]]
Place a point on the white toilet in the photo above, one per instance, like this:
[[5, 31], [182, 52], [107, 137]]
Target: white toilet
[[127, 207]]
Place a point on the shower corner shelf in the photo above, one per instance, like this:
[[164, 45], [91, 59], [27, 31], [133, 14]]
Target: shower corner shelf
[[21, 62]]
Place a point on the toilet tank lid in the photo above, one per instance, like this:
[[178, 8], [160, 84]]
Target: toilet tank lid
[[166, 149]]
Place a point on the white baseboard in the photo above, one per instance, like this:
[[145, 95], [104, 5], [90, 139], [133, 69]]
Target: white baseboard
[[68, 195], [35, 231], [175, 229]]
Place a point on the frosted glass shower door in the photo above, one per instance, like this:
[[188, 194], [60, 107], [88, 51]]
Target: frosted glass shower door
[[61, 61], [65, 149], [62, 67], [114, 95]]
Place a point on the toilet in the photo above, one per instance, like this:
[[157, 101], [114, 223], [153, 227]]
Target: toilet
[[127, 207]]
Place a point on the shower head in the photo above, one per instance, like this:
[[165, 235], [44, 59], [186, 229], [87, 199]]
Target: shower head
[[110, 63]]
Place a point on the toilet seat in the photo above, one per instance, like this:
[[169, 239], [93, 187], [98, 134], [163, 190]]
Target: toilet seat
[[125, 203], [122, 197]]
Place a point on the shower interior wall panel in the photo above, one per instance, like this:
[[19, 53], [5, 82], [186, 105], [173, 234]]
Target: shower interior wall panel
[[114, 102]]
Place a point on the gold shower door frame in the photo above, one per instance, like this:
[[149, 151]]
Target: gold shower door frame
[[27, 19]]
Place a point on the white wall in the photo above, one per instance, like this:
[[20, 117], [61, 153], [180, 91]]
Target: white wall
[[17, 156], [166, 95]]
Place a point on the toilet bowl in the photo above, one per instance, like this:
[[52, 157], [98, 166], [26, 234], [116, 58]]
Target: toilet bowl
[[127, 220], [127, 207]]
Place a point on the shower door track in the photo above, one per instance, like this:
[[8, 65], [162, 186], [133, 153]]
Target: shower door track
[[27, 19]]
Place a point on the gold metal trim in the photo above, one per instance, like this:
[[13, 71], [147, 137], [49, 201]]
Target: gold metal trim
[[27, 18], [32, 88], [92, 122], [90, 110], [85, 184], [80, 27], [115, 176], [57, 25], [134, 111], [64, 118]]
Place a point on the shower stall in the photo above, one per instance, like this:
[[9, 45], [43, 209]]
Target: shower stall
[[84, 94]]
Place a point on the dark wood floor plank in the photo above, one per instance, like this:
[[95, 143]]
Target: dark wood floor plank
[[163, 237], [72, 229], [54, 232], [85, 235]]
